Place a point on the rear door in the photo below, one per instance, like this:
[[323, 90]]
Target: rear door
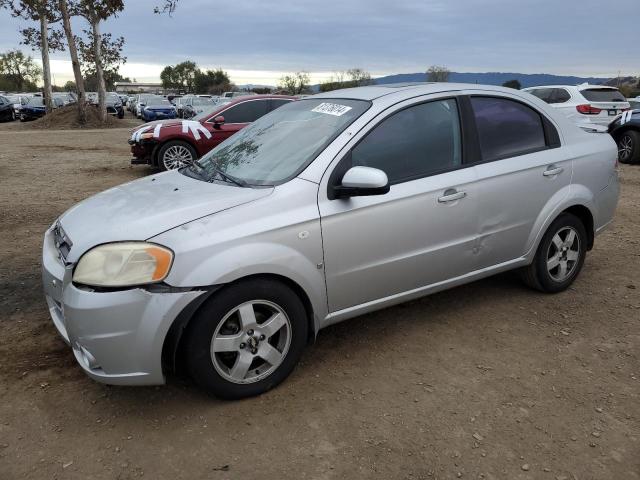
[[523, 169]]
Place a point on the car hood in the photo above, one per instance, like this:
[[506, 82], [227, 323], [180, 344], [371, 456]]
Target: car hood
[[147, 207]]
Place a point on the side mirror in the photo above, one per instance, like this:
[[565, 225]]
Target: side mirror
[[218, 121], [362, 181]]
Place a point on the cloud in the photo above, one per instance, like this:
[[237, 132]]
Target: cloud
[[551, 36]]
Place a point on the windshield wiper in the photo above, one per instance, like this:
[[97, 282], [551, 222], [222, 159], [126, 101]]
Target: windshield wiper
[[204, 174], [228, 178]]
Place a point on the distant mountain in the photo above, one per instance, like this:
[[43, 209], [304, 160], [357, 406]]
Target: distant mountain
[[495, 78]]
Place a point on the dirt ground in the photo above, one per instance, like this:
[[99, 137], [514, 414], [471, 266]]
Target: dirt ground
[[490, 380]]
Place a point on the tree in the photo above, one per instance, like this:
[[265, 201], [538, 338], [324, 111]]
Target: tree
[[512, 84], [355, 77], [169, 6], [185, 74], [168, 78], [19, 69], [101, 51], [211, 81], [70, 86], [437, 73], [63, 7], [43, 38], [358, 77], [295, 83]]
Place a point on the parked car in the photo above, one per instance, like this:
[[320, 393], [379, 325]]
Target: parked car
[[625, 130], [18, 100], [326, 208], [196, 105], [7, 112], [141, 102], [173, 144], [158, 108], [634, 103], [35, 108], [67, 98], [583, 104], [114, 105]]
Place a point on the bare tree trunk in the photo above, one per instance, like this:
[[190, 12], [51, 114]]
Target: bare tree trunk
[[46, 67], [75, 63], [97, 45]]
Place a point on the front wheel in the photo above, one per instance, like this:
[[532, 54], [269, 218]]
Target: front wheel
[[246, 339], [176, 154], [629, 147], [559, 257]]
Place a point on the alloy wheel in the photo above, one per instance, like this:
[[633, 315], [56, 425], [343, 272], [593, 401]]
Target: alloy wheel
[[177, 156], [251, 341], [563, 254], [625, 148]]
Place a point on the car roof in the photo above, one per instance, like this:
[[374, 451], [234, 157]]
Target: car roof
[[373, 92], [582, 86]]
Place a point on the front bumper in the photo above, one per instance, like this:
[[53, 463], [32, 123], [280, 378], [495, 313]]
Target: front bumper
[[142, 151], [116, 336]]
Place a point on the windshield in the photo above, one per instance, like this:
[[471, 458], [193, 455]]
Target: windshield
[[159, 101], [202, 101], [281, 144], [603, 95], [36, 102]]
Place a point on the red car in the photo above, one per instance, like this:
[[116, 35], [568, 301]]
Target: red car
[[171, 144]]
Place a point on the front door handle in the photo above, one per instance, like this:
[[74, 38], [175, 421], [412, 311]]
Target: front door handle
[[552, 170], [451, 195]]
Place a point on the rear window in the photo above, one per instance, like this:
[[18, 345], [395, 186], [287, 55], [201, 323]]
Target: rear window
[[603, 95]]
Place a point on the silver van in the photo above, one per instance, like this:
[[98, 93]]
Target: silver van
[[327, 208]]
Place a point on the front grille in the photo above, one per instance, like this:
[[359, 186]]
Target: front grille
[[62, 242]]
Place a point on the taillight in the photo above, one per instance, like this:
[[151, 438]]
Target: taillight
[[588, 109]]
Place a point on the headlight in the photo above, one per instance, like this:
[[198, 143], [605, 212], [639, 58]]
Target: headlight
[[123, 264]]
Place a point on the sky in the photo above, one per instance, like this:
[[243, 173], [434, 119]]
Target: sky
[[257, 41]]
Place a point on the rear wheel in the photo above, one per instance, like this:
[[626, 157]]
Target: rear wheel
[[176, 154], [559, 257], [629, 147], [246, 339]]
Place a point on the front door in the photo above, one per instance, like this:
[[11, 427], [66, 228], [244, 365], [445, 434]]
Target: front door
[[420, 233]]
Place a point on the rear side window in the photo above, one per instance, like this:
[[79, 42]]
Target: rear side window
[[245, 112], [560, 95], [506, 128], [543, 94], [415, 142], [602, 95], [275, 103]]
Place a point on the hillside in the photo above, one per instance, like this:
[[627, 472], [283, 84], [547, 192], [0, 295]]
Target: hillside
[[496, 78]]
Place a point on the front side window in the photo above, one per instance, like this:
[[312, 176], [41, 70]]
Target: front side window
[[245, 112], [506, 128], [415, 142]]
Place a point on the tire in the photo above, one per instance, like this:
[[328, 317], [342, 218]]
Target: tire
[[557, 246], [232, 367], [174, 154], [629, 147]]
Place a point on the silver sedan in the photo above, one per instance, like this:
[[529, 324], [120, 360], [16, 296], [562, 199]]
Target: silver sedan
[[327, 208]]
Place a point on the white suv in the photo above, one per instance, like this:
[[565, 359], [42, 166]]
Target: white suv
[[584, 103]]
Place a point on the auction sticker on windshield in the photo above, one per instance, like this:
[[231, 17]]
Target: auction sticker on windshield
[[331, 109]]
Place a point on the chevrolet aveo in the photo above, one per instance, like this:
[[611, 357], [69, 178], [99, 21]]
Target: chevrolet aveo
[[327, 208]]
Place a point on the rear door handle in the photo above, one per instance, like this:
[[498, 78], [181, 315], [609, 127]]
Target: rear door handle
[[552, 170], [451, 195]]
